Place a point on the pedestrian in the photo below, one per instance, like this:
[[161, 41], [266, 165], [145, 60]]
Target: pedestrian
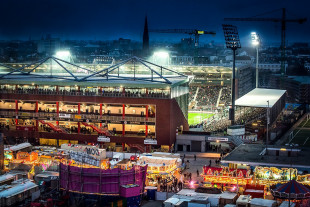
[[210, 163], [195, 157], [184, 156], [197, 173], [190, 176]]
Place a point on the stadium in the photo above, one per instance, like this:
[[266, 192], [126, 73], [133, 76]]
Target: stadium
[[134, 104]]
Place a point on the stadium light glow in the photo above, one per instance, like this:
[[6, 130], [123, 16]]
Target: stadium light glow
[[63, 54], [161, 54], [254, 38], [161, 57]]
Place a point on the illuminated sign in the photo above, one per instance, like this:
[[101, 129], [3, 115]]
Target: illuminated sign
[[103, 139], [150, 141], [222, 139], [84, 158], [92, 151], [78, 116], [64, 115], [200, 32]]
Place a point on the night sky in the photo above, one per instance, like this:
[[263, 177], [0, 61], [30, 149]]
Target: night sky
[[112, 19]]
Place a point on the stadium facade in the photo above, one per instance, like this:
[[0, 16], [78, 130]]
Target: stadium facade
[[133, 104]]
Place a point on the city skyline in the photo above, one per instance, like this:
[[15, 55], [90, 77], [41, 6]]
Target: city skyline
[[108, 20]]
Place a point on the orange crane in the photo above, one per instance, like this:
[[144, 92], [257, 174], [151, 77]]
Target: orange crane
[[195, 32], [283, 21]]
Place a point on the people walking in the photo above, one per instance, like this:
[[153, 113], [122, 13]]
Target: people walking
[[195, 157]]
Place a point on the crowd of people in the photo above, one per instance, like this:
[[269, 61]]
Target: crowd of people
[[175, 185], [220, 122], [87, 92], [208, 96], [226, 96]]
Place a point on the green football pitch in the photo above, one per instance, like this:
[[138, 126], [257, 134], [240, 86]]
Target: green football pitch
[[196, 118], [302, 134]]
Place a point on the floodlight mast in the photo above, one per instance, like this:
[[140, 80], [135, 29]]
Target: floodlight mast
[[256, 42], [233, 42]]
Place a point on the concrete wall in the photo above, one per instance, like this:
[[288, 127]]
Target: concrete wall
[[186, 139]]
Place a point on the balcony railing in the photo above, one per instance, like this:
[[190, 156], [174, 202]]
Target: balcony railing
[[75, 117], [86, 93]]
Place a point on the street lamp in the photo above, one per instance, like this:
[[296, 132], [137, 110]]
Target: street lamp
[[255, 42], [233, 42]]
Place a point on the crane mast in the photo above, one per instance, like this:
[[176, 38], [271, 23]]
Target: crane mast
[[283, 21], [194, 32]]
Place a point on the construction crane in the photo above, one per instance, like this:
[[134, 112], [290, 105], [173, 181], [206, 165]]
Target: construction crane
[[194, 32], [283, 21]]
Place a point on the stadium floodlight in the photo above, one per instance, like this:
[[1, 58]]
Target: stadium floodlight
[[161, 57], [161, 54], [232, 42], [255, 38], [63, 55], [256, 41]]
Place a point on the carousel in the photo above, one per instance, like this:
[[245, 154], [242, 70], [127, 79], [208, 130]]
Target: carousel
[[292, 191]]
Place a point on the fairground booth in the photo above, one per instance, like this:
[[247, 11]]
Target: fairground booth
[[161, 166], [277, 165]]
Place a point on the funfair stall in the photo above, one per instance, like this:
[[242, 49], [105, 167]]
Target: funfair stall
[[160, 167]]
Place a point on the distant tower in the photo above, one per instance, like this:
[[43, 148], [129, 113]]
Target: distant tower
[[146, 43]]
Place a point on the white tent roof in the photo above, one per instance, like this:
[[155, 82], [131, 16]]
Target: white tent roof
[[22, 187], [6, 177], [258, 97], [19, 146]]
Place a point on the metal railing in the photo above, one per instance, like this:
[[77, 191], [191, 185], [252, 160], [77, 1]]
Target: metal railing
[[84, 93], [75, 117]]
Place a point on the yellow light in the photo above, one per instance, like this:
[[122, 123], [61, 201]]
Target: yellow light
[[200, 32], [283, 149]]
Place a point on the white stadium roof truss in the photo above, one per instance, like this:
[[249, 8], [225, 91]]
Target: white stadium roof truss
[[155, 73]]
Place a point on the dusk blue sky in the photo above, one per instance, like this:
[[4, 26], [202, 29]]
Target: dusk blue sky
[[112, 19]]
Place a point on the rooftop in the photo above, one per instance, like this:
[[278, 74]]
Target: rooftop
[[52, 70], [258, 97], [18, 147], [252, 154]]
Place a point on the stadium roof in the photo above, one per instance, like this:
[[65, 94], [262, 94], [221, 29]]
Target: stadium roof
[[258, 97], [51, 69]]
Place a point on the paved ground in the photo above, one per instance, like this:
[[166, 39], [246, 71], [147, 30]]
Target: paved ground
[[193, 165]]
